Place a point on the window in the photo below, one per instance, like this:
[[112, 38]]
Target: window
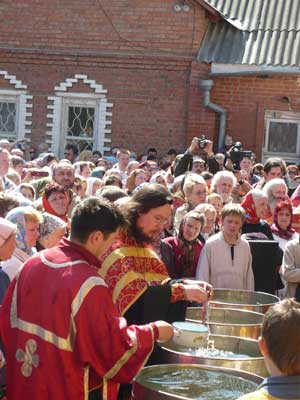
[[8, 117], [80, 130], [79, 123], [282, 135], [78, 117]]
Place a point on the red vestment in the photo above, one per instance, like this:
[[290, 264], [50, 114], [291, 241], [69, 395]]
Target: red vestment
[[129, 268], [61, 330]]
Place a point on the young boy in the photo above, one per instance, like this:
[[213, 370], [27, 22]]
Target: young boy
[[280, 345], [225, 261]]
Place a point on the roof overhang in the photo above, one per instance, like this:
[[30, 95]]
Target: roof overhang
[[242, 69]]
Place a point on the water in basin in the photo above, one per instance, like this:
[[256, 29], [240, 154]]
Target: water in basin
[[197, 384]]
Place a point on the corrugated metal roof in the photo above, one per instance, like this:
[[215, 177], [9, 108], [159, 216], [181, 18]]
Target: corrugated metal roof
[[260, 14], [260, 32]]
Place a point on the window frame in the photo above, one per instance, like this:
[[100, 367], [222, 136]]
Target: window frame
[[281, 117]]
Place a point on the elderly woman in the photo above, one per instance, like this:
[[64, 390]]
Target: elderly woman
[[255, 204], [27, 220], [51, 231], [195, 193], [223, 183], [185, 248], [56, 200]]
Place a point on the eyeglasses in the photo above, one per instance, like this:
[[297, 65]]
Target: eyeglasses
[[161, 220], [67, 154]]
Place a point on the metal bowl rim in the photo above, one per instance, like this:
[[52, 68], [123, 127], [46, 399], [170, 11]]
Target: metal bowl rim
[[208, 367], [225, 325], [231, 309], [215, 358], [244, 304]]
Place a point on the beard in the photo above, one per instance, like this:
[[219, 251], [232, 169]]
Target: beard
[[225, 197]]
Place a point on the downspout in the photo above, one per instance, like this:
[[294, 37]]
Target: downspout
[[206, 86]]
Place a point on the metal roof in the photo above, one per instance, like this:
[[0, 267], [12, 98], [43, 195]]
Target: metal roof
[[260, 32]]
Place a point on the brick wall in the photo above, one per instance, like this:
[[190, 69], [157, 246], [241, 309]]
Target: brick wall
[[245, 99], [140, 51]]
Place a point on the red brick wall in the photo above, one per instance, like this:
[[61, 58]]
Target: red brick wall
[[106, 24], [245, 99], [140, 51]]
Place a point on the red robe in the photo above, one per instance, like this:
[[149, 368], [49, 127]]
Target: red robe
[[128, 269], [61, 330]]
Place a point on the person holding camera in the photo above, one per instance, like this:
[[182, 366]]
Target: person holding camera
[[198, 146]]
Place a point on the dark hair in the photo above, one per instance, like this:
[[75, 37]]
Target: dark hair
[[94, 214], [53, 187], [151, 157], [280, 330], [97, 152], [71, 146], [111, 193], [152, 150], [148, 197], [172, 151], [110, 180], [273, 163], [206, 175], [16, 160]]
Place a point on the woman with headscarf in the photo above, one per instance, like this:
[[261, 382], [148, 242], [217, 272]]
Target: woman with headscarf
[[56, 201], [255, 204], [8, 232], [27, 220], [186, 248], [8, 244], [282, 227], [51, 231], [93, 184]]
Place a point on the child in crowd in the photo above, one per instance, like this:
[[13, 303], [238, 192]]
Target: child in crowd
[[280, 345], [226, 260]]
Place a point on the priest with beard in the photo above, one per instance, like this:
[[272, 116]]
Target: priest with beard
[[142, 289]]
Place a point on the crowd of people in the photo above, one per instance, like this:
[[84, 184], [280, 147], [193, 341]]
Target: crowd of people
[[101, 253]]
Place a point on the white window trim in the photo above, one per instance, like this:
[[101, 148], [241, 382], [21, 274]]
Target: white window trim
[[281, 116], [23, 103], [55, 113]]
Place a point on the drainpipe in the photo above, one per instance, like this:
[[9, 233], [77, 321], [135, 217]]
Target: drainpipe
[[206, 86]]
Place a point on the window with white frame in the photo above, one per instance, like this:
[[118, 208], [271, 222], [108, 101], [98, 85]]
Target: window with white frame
[[8, 117], [79, 118], [282, 135], [79, 123]]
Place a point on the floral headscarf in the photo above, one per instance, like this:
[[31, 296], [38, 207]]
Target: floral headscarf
[[249, 207], [17, 217], [275, 228], [50, 224]]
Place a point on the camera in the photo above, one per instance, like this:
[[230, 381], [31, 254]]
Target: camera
[[236, 154], [39, 174], [202, 142]]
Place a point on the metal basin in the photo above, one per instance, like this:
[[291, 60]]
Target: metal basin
[[170, 353], [228, 321], [187, 382], [243, 300]]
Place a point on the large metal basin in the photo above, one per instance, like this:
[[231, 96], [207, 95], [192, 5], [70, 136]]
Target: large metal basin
[[147, 385], [243, 300], [170, 353], [229, 321]]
